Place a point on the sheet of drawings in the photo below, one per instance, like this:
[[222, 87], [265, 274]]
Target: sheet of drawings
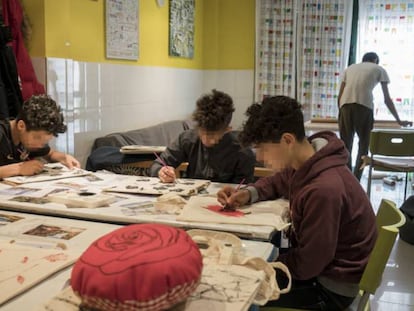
[[24, 266], [50, 232], [207, 209], [51, 171], [221, 288], [153, 186]]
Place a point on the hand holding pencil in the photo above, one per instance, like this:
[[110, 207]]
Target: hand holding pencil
[[167, 173], [232, 198]]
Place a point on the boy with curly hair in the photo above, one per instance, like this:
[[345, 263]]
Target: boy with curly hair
[[24, 141], [211, 150], [333, 227]]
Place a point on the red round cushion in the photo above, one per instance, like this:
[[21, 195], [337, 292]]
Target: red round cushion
[[138, 267]]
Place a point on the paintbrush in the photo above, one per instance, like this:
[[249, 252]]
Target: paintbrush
[[162, 161], [226, 207]]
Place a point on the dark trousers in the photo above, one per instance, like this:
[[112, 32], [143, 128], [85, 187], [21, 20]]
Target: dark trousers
[[309, 295], [356, 119]]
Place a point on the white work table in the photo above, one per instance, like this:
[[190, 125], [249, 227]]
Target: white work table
[[33, 298], [120, 212]]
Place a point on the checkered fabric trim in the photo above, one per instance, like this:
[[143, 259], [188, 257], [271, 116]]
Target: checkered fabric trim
[[166, 301]]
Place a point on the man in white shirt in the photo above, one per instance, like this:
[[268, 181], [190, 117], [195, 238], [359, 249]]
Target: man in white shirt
[[355, 103]]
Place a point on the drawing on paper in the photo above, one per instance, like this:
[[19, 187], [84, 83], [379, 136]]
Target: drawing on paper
[[197, 210], [222, 287], [181, 33], [12, 191], [82, 199], [92, 178], [23, 267], [27, 199], [5, 219], [138, 208], [220, 210], [51, 171], [226, 285], [55, 232], [152, 185], [121, 29]]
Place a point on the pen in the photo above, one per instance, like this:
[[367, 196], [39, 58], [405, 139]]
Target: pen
[[162, 162], [241, 183], [159, 159], [226, 207]]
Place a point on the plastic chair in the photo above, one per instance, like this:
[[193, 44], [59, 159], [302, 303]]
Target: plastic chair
[[391, 150], [388, 220]]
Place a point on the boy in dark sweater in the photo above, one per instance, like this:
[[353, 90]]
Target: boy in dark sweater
[[24, 141], [333, 225], [211, 150]]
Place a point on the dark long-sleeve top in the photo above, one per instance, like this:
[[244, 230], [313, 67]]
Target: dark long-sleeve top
[[9, 153], [226, 162]]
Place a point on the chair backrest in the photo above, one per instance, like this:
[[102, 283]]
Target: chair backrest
[[392, 142], [389, 219]]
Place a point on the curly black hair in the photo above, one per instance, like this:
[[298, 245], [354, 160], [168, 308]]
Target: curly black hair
[[214, 111], [268, 121], [41, 113]]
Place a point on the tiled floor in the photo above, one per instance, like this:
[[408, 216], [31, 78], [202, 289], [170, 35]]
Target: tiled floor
[[397, 288]]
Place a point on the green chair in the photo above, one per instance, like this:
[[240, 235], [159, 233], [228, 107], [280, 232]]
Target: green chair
[[392, 151], [388, 220]]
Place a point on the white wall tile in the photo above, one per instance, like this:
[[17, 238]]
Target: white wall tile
[[102, 98]]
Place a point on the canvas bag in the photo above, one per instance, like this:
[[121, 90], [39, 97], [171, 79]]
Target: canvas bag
[[225, 248]]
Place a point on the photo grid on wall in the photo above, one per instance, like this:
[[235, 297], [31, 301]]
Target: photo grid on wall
[[181, 30]]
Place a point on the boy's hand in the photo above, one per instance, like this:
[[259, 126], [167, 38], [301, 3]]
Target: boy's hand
[[29, 168], [167, 174], [70, 161], [230, 198]]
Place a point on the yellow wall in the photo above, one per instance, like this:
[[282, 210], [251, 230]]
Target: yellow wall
[[36, 13], [229, 34], [224, 33]]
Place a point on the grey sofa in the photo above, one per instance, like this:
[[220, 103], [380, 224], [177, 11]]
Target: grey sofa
[[157, 135], [105, 152]]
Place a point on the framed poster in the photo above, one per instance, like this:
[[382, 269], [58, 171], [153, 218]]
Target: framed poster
[[181, 35], [121, 29]]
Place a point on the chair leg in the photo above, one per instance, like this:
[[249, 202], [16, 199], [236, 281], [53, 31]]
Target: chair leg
[[406, 184], [363, 304], [369, 182]]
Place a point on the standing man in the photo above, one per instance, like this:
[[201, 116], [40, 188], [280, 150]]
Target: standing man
[[355, 103]]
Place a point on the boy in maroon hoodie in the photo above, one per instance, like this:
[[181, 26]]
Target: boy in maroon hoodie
[[333, 224]]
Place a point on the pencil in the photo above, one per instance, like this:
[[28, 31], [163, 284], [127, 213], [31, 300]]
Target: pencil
[[163, 163], [227, 208], [241, 183], [159, 159]]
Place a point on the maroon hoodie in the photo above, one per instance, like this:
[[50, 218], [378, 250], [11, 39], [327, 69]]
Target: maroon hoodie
[[333, 224]]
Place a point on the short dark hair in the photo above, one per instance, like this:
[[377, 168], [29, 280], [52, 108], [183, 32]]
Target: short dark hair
[[41, 113], [370, 57], [214, 111], [268, 121]]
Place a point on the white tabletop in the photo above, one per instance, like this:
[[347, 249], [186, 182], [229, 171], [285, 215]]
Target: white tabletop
[[36, 296], [120, 212]]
